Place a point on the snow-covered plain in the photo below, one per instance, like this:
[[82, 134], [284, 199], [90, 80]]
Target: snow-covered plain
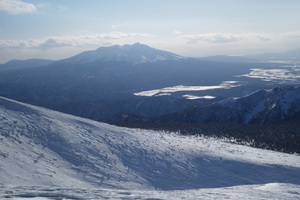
[[181, 88], [285, 74], [50, 155]]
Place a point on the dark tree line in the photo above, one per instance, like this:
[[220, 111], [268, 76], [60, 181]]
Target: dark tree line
[[283, 137]]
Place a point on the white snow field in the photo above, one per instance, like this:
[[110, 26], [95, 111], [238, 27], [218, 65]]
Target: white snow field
[[50, 155]]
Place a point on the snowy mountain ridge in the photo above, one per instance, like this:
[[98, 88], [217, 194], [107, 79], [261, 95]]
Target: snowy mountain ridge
[[41, 148], [266, 106], [260, 107], [23, 64], [133, 54]]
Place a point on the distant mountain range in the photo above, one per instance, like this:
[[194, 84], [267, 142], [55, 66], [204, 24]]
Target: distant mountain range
[[230, 59], [266, 118], [133, 54], [23, 64], [103, 83], [289, 55], [48, 154], [260, 107]]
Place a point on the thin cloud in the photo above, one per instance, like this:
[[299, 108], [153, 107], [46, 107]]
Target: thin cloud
[[50, 43], [119, 35], [16, 7], [116, 26], [175, 32], [49, 7], [262, 38], [292, 35], [18, 44], [212, 38], [44, 6], [72, 40], [62, 8]]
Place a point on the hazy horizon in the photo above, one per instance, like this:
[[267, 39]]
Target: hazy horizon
[[60, 29]]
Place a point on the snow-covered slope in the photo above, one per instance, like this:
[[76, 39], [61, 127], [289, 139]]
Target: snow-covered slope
[[272, 191], [43, 153], [133, 54]]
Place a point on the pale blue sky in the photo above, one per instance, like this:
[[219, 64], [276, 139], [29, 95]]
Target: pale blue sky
[[57, 29]]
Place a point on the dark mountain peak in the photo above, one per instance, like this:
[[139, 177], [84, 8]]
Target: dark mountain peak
[[134, 54], [136, 45]]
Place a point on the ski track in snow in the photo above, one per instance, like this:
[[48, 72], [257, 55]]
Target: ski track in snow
[[44, 154]]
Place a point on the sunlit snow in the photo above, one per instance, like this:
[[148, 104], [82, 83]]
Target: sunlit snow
[[286, 74], [197, 97], [49, 155], [182, 88]]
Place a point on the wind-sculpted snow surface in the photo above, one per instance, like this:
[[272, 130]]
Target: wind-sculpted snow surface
[[250, 192], [44, 153]]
